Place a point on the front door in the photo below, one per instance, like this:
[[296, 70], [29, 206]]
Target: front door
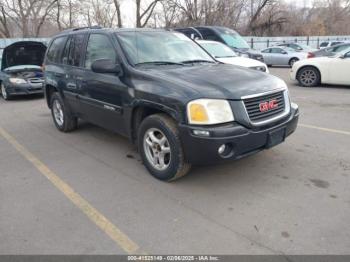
[[103, 94]]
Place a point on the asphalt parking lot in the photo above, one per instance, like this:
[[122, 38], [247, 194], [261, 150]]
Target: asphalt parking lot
[[86, 192]]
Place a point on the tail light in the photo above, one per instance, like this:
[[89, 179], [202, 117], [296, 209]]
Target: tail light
[[310, 55]]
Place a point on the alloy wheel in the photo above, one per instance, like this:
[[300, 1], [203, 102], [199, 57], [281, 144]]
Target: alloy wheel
[[4, 92], [157, 149], [308, 77], [58, 112]]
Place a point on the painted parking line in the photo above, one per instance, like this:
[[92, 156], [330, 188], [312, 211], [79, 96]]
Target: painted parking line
[[120, 238], [326, 129]]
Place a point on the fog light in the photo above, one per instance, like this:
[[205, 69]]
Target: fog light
[[226, 150], [221, 149], [201, 133]]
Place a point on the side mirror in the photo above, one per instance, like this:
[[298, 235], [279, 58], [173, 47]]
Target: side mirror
[[106, 66], [284, 52]]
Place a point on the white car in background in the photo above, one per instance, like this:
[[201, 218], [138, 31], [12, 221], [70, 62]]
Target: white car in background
[[226, 55], [323, 70]]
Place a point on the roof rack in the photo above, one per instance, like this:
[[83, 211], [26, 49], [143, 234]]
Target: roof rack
[[81, 28], [87, 27]]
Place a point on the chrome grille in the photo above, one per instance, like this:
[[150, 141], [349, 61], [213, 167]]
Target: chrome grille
[[252, 106]]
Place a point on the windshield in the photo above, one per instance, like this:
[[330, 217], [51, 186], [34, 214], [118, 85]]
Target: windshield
[[218, 50], [233, 39], [161, 47]]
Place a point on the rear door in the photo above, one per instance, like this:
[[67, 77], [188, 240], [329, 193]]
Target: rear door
[[73, 71], [103, 94], [54, 73]]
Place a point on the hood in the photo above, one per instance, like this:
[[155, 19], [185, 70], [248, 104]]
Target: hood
[[220, 81], [23, 53], [240, 61]]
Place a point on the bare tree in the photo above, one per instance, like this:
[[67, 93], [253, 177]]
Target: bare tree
[[4, 25], [28, 15], [119, 15], [144, 15]]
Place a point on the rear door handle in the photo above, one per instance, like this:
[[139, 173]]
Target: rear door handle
[[71, 86]]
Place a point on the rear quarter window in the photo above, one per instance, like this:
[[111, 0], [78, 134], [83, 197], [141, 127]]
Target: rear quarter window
[[55, 49]]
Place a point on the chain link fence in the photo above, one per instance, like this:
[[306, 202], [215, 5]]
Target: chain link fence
[[313, 41]]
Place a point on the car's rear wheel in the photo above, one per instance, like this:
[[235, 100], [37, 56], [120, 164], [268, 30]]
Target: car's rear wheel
[[4, 93], [160, 148], [309, 77], [62, 117], [293, 61]]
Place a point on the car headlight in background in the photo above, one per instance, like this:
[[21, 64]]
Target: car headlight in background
[[259, 68], [15, 80], [209, 112]]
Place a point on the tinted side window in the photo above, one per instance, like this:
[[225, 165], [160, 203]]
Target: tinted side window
[[55, 50], [209, 35], [276, 50], [73, 50], [266, 51], [65, 54], [324, 44], [99, 47]]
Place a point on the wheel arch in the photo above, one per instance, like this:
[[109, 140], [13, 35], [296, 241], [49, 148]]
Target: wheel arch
[[49, 90], [293, 58], [143, 109]]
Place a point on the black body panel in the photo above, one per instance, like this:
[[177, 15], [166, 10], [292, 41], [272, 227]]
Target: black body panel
[[111, 100]]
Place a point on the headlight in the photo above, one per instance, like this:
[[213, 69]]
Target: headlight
[[14, 80], [209, 112]]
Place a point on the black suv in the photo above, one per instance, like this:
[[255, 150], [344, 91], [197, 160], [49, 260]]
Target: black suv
[[167, 95], [223, 35]]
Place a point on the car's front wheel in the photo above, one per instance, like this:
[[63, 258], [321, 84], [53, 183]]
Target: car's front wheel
[[4, 93], [309, 77], [62, 117], [160, 148]]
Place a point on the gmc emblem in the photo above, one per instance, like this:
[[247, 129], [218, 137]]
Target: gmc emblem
[[266, 106]]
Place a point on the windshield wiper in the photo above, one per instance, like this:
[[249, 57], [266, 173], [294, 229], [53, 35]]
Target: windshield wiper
[[159, 63], [197, 61]]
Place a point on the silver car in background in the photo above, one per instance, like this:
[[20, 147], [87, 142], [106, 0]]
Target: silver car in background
[[330, 51], [282, 56]]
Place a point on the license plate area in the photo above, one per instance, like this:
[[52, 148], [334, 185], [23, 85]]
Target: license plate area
[[276, 137]]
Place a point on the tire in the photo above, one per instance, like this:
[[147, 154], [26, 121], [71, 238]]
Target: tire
[[293, 61], [169, 149], [4, 93], [309, 76], [62, 116]]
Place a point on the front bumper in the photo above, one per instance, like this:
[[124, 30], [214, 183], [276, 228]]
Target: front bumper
[[25, 89], [201, 150]]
